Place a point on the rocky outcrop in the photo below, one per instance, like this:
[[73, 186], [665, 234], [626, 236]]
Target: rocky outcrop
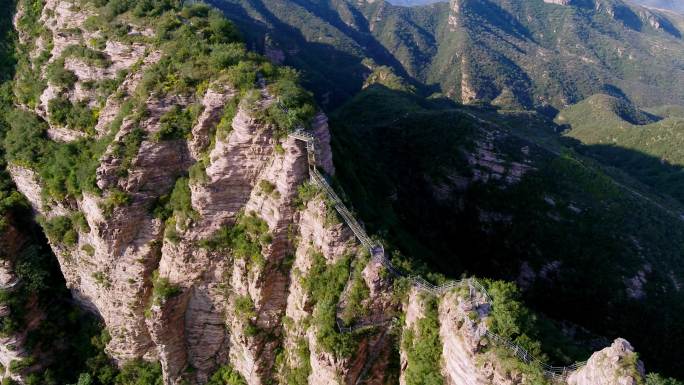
[[469, 357], [615, 365], [461, 335]]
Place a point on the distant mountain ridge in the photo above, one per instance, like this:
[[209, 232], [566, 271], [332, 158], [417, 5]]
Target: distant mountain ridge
[[524, 54], [413, 3], [673, 5]]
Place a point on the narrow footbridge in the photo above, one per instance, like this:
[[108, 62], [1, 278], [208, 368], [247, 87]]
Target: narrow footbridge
[[377, 251]]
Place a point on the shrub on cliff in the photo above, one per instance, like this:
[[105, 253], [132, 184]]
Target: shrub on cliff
[[324, 283], [657, 379], [226, 376], [60, 76], [76, 116], [424, 348], [60, 229], [245, 239], [162, 289]]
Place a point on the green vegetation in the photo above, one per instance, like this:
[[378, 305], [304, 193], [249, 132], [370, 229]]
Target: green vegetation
[[162, 289], [324, 284], [188, 65], [60, 229], [385, 76], [177, 205], [127, 149], [245, 239], [79, 221], [657, 379], [299, 374], [88, 55], [28, 85], [59, 76], [267, 187], [492, 42], [115, 198], [609, 127], [18, 366], [295, 105], [101, 371], [65, 169], [198, 172], [175, 124], [245, 310], [102, 279], [226, 375], [88, 249], [77, 116], [566, 217], [423, 347], [358, 292], [225, 125], [66, 332], [411, 189], [306, 192], [510, 319]]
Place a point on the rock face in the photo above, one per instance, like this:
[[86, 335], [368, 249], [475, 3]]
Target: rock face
[[615, 365]]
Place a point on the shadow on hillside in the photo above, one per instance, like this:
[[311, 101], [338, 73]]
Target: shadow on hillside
[[488, 10], [665, 180], [584, 253], [331, 73]]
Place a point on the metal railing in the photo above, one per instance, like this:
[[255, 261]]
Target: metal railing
[[377, 252]]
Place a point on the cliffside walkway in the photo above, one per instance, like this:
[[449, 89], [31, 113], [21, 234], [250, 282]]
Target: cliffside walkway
[[377, 252]]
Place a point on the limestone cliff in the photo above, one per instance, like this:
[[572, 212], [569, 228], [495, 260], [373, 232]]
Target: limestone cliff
[[616, 364]]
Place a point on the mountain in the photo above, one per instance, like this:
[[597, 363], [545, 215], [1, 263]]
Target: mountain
[[672, 5], [186, 211], [213, 226], [413, 3], [604, 126], [471, 189], [503, 56], [522, 54]]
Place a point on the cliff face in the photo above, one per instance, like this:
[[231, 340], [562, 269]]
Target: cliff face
[[210, 248], [616, 364], [13, 344]]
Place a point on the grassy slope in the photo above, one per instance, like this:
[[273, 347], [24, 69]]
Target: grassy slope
[[606, 126]]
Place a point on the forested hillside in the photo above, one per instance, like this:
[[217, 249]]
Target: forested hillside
[[502, 198], [522, 54], [673, 5]]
